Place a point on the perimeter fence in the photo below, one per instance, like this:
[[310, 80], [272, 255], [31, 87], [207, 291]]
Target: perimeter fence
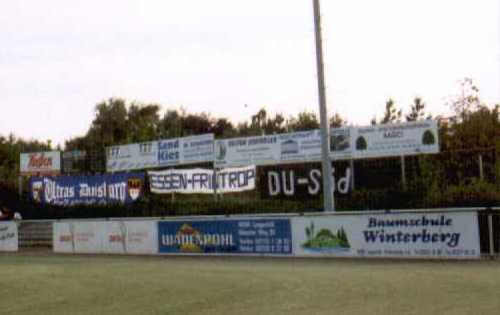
[[450, 179]]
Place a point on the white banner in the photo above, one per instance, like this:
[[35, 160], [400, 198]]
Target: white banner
[[40, 163], [201, 181], [113, 237], [178, 151], [396, 139], [9, 240], [432, 235]]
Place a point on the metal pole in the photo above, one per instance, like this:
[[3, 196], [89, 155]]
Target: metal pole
[[481, 169], [328, 199], [490, 233], [403, 172], [20, 183]]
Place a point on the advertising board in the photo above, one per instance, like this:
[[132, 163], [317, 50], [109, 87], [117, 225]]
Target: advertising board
[[9, 238], [412, 235], [280, 148], [387, 140], [252, 236], [40, 163], [111, 237], [168, 152]]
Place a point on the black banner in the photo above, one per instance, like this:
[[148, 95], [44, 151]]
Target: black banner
[[302, 181]]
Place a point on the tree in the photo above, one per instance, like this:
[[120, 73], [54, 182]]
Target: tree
[[391, 115], [109, 126], [337, 121], [170, 126], [417, 111], [304, 121], [143, 122], [223, 128]]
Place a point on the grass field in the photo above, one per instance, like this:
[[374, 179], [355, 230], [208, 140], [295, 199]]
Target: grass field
[[45, 284]]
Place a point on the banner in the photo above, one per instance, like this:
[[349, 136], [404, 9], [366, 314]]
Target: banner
[[396, 139], [302, 181], [202, 181], [9, 240], [113, 237], [171, 152], [98, 189], [281, 148], [432, 235], [252, 236], [40, 163]]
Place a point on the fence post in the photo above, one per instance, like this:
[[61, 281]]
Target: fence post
[[20, 188], [490, 234], [481, 169], [353, 176], [403, 171]]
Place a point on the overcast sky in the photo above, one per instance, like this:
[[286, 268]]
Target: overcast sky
[[58, 59]]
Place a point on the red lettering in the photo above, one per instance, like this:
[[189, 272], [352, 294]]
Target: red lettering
[[40, 161]]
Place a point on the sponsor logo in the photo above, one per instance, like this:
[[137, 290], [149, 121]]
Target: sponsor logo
[[37, 191], [134, 188], [189, 240], [40, 161], [325, 241], [289, 147]]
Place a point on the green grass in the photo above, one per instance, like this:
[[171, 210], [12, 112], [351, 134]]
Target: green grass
[[46, 284]]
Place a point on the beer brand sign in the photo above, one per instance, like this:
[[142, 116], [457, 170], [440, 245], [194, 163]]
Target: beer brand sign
[[40, 163]]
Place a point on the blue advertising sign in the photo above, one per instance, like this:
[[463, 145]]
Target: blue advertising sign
[[98, 189], [252, 236]]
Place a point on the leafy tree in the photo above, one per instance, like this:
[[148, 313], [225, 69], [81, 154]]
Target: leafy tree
[[391, 115], [337, 121], [417, 111], [143, 122], [304, 121]]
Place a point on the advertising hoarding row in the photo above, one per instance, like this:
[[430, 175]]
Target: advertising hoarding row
[[162, 153], [9, 238], [376, 141], [444, 235], [202, 181], [97, 189]]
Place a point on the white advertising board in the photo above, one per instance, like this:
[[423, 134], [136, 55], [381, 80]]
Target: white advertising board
[[132, 156], [170, 152], [284, 148], [43, 163], [395, 139], [9, 239], [111, 237], [201, 181], [432, 235]]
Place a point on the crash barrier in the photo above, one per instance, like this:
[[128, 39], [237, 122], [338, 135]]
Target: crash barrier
[[441, 234], [9, 240]]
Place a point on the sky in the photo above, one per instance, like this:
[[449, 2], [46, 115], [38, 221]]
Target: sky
[[58, 59]]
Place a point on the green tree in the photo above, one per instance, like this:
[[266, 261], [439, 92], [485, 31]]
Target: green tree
[[304, 121], [417, 111]]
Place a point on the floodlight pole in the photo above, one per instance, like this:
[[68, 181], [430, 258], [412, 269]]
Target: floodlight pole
[[323, 113]]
